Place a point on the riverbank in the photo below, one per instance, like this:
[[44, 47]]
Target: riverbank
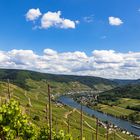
[[125, 125], [119, 109]]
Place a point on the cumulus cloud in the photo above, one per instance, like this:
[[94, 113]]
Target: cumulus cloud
[[53, 19], [102, 63], [107, 56], [115, 21], [33, 14], [50, 19]]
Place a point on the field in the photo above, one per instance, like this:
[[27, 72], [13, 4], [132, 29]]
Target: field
[[125, 108], [115, 110], [124, 102]]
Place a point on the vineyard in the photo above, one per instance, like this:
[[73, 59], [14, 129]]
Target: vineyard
[[16, 125], [35, 115]]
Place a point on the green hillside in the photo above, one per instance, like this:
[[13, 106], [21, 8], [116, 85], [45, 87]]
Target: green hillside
[[31, 91], [123, 102], [127, 91], [62, 83]]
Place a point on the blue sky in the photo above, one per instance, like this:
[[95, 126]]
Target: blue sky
[[16, 32], [98, 32]]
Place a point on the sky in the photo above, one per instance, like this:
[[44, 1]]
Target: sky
[[79, 37]]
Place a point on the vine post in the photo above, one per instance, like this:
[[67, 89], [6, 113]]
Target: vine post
[[68, 125], [114, 135], [107, 131], [8, 89], [97, 128], [81, 125], [47, 113], [50, 113]]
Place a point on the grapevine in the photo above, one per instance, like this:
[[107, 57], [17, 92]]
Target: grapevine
[[16, 125]]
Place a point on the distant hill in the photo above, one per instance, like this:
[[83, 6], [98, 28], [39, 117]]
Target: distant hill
[[65, 82], [126, 82], [128, 91]]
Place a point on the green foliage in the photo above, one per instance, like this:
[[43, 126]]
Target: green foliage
[[136, 107], [14, 124], [37, 118], [134, 117], [44, 135]]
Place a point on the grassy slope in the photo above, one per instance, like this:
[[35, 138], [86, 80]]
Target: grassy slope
[[38, 97]]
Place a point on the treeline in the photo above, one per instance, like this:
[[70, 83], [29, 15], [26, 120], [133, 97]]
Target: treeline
[[136, 107], [129, 91]]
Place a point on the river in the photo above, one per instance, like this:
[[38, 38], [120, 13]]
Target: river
[[126, 125]]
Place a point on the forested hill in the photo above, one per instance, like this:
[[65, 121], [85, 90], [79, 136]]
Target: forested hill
[[127, 91], [126, 82], [20, 78]]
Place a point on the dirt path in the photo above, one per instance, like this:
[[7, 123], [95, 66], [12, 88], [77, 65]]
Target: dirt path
[[89, 126], [68, 113], [120, 137]]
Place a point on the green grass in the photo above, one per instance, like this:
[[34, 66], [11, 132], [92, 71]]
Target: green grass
[[124, 102], [115, 110]]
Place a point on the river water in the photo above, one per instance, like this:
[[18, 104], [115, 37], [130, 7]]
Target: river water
[[101, 116]]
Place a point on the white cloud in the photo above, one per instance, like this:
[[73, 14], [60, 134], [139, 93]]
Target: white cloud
[[50, 19], [102, 63], [53, 19], [115, 21], [3, 57], [107, 56], [50, 52], [33, 14]]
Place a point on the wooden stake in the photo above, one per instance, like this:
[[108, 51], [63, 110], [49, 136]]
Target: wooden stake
[[9, 95], [0, 101], [56, 125], [50, 113], [81, 121], [97, 128], [107, 131], [114, 135], [47, 114], [68, 125]]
